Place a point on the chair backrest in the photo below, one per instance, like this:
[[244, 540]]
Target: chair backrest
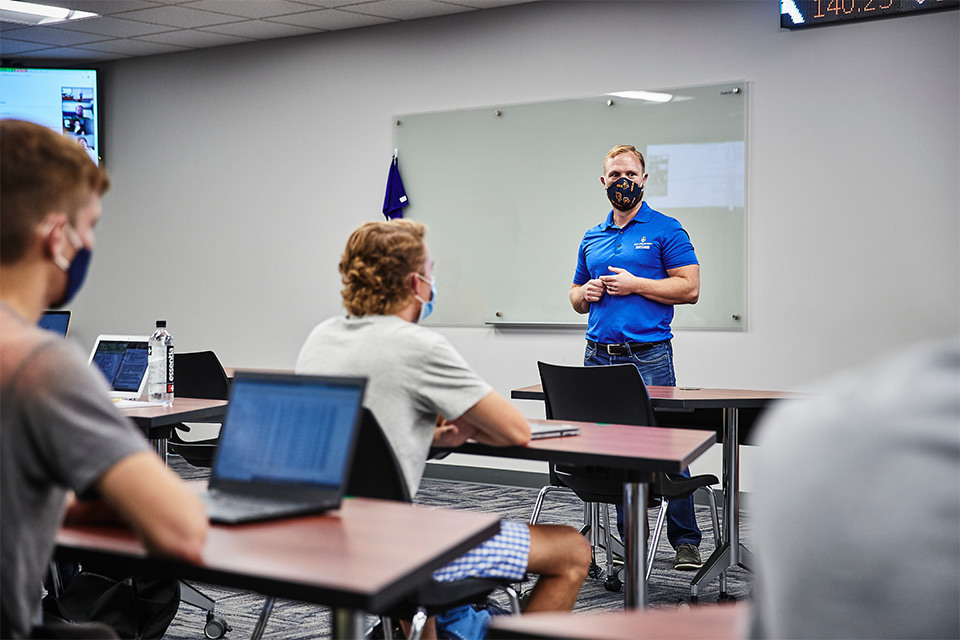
[[612, 394], [376, 472], [200, 375]]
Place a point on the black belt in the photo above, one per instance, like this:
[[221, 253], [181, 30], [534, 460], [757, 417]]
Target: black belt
[[622, 348]]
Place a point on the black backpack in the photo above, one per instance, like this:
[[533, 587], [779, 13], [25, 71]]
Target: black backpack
[[135, 607]]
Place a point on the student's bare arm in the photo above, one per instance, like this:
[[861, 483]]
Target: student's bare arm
[[166, 513], [497, 422]]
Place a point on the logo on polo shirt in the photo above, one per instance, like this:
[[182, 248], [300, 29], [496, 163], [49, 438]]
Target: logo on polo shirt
[[643, 244]]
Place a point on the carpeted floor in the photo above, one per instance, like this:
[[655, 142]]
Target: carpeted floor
[[292, 620]]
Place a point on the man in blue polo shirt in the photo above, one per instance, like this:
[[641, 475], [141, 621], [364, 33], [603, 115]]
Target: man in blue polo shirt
[[632, 269]]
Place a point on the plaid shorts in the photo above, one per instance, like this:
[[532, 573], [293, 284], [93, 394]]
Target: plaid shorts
[[505, 555]]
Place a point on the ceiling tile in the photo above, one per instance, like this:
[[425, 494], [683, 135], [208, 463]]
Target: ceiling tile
[[331, 19], [80, 55], [147, 27], [9, 46], [406, 9], [194, 39], [115, 27], [56, 37], [249, 8], [488, 4], [260, 29], [178, 16], [132, 47]]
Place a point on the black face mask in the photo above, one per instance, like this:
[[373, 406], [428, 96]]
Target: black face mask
[[624, 194]]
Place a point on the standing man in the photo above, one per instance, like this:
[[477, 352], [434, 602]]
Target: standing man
[[631, 270], [59, 431]]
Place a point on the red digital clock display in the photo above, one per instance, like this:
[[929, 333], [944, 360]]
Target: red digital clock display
[[805, 13]]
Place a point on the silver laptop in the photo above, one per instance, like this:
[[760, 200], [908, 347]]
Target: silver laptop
[[123, 362], [286, 445], [540, 430]]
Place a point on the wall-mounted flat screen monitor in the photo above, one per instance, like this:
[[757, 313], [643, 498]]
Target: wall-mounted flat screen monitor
[[66, 100]]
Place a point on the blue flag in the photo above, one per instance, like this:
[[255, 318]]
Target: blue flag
[[395, 198]]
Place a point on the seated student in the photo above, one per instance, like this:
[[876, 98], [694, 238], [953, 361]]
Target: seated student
[[856, 525], [59, 431], [414, 376]]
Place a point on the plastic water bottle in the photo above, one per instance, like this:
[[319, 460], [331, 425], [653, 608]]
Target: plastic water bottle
[[160, 375]]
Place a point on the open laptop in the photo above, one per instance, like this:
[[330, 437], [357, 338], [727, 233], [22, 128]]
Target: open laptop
[[56, 320], [540, 430], [123, 362], [286, 446]]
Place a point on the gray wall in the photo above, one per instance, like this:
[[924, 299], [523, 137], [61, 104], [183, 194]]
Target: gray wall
[[239, 172]]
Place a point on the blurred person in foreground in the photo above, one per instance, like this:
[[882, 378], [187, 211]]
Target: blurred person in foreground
[[857, 519]]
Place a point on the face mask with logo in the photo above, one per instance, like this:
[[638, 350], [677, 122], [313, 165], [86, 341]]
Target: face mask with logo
[[76, 270], [426, 306], [624, 194]]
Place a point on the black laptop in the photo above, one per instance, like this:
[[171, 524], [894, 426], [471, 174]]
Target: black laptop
[[286, 445]]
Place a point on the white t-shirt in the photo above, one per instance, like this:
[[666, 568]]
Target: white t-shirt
[[413, 375]]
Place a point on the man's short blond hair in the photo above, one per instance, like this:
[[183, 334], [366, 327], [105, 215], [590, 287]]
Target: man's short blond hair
[[624, 148], [375, 264], [41, 172]]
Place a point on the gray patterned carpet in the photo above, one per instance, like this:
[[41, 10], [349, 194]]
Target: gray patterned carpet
[[292, 620]]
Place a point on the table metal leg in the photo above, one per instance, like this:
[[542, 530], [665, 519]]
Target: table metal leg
[[731, 553], [635, 506], [348, 623], [160, 446]]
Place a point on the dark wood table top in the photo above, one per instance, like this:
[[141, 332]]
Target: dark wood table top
[[367, 555], [718, 622], [613, 446], [156, 420], [686, 397]]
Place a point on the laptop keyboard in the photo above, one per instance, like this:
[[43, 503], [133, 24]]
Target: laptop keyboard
[[235, 505]]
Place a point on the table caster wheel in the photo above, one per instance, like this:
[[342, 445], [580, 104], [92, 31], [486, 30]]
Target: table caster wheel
[[612, 583], [216, 627], [726, 597]]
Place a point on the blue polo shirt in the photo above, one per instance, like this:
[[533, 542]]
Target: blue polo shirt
[[647, 247]]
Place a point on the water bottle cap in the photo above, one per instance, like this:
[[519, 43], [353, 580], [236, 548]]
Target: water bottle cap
[[161, 323]]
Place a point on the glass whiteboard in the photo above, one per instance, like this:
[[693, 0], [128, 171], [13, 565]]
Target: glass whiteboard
[[508, 191]]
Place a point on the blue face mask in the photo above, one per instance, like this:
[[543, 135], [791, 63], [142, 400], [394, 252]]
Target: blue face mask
[[624, 194], [426, 306], [76, 272]]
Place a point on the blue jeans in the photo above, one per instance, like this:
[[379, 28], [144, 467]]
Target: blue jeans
[[656, 368]]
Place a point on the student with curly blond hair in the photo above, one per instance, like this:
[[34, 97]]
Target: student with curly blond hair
[[415, 375]]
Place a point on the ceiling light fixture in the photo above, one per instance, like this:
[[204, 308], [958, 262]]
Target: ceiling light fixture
[[32, 13]]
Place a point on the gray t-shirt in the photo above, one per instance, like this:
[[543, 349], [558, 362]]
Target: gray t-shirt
[[413, 375], [58, 431], [856, 531]]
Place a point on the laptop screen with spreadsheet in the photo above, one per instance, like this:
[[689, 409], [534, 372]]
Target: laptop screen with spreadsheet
[[288, 430]]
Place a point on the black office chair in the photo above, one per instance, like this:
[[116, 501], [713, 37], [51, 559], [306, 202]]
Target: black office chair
[[376, 473], [197, 375], [611, 394]]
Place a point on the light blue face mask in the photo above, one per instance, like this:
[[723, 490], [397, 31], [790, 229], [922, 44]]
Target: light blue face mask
[[426, 306]]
